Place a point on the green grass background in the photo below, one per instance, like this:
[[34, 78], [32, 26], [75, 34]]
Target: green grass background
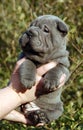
[[15, 16]]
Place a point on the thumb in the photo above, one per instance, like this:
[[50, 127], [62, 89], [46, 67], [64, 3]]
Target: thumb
[[44, 68]]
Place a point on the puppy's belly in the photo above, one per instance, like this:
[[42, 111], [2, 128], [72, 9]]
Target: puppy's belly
[[50, 98], [51, 104]]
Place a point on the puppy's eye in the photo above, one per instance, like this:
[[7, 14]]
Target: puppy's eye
[[46, 29]]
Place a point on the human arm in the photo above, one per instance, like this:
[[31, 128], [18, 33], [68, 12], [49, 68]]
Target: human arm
[[17, 117]]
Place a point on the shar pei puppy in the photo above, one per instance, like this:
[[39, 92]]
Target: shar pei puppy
[[44, 41]]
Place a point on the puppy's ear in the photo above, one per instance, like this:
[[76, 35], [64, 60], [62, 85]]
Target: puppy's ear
[[62, 27]]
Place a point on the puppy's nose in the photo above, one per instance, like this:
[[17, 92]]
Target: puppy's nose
[[32, 31], [29, 33]]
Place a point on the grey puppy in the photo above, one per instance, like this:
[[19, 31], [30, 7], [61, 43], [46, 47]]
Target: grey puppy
[[45, 41]]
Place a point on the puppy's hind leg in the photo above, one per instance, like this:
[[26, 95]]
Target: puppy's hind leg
[[37, 117], [33, 113]]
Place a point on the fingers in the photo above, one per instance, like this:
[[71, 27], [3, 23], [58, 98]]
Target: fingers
[[40, 124], [17, 117], [63, 77], [41, 70], [62, 80], [44, 68]]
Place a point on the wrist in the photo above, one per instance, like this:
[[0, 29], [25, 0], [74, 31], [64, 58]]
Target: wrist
[[9, 99], [15, 93], [20, 93]]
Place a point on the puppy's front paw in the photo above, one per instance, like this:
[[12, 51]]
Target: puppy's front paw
[[28, 83], [50, 84], [27, 73]]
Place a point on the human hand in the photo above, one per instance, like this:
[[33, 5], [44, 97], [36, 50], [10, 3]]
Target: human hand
[[19, 95], [27, 95]]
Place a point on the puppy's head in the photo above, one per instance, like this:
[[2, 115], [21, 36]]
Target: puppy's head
[[45, 34]]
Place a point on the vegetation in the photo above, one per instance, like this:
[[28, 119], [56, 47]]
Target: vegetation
[[15, 16]]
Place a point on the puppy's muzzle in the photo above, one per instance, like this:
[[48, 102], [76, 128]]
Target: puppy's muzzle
[[25, 38], [28, 35]]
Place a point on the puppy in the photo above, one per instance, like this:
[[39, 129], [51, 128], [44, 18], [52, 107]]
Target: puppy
[[45, 41]]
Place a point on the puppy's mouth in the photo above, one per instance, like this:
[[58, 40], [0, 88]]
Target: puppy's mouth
[[31, 43], [25, 42]]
